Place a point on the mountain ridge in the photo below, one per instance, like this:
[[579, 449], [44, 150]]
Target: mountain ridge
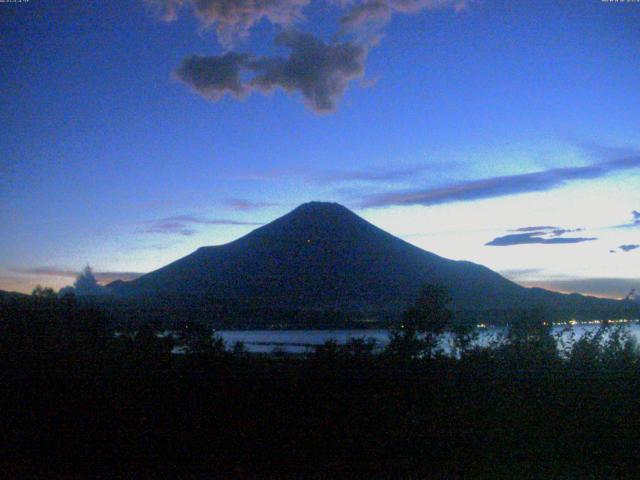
[[322, 256]]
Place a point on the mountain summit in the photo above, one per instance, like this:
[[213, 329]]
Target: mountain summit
[[323, 257]]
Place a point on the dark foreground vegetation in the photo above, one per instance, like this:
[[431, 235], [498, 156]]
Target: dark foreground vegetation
[[78, 400]]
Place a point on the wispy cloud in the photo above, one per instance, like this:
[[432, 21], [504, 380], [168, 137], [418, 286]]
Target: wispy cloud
[[183, 224], [601, 287], [500, 186], [549, 230], [244, 205], [330, 177], [626, 248], [102, 277], [370, 16], [520, 273], [541, 235], [372, 175], [635, 221], [533, 229]]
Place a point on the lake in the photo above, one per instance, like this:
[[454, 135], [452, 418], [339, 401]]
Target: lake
[[301, 341]]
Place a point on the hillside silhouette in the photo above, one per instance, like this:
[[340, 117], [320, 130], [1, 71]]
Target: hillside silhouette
[[322, 256]]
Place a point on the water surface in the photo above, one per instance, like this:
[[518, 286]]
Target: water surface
[[301, 341]]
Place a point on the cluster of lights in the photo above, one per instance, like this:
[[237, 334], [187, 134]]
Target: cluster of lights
[[575, 322], [593, 322]]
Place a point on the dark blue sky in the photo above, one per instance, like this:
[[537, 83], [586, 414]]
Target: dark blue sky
[[510, 114]]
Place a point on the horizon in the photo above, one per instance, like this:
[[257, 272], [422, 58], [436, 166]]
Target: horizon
[[105, 278], [498, 133]]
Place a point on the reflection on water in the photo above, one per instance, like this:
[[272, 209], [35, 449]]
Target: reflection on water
[[301, 341]]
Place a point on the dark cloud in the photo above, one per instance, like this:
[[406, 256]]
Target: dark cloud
[[534, 238], [629, 247], [500, 186], [636, 217], [102, 277], [213, 77], [182, 224], [545, 235], [234, 18], [319, 71], [369, 15]]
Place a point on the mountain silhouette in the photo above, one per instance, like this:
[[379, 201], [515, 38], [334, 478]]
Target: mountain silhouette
[[322, 256]]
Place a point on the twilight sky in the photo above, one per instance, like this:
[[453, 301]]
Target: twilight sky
[[501, 132]]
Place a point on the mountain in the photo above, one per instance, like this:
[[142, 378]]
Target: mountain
[[323, 257], [4, 295]]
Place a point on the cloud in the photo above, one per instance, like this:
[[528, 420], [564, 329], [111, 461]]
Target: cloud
[[165, 226], [547, 230], [102, 277], [413, 6], [370, 16], [561, 231], [533, 229], [628, 247], [534, 238], [520, 273], [600, 287], [234, 19], [243, 205], [319, 71], [371, 176], [213, 77], [500, 186], [635, 221], [366, 16], [182, 224], [538, 235]]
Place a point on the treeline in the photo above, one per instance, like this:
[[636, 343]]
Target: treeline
[[80, 396]]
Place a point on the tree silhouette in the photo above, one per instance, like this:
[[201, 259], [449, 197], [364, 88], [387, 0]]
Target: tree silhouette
[[45, 293], [422, 324], [464, 335], [86, 283], [530, 338]]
